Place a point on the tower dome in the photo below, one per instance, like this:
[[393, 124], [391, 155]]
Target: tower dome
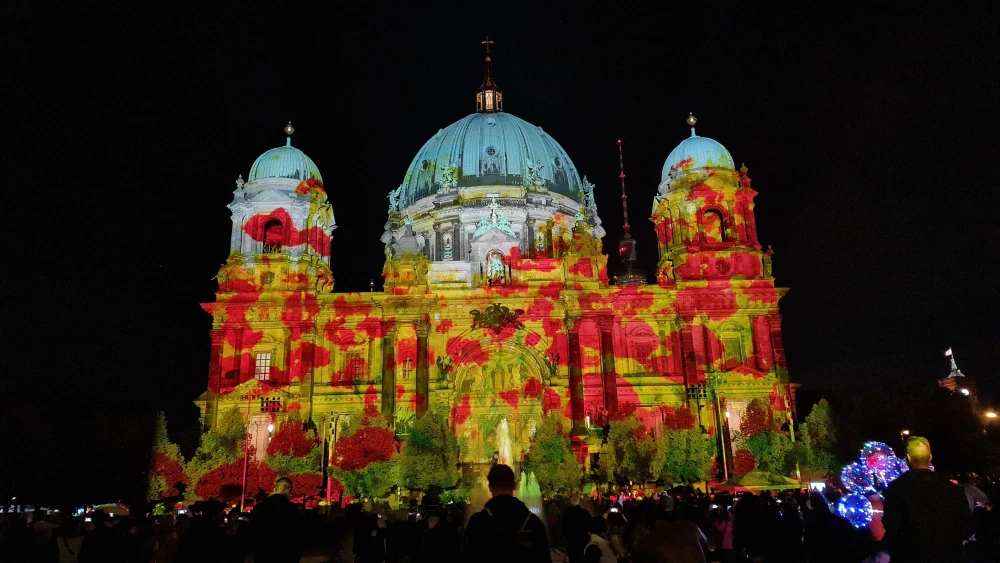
[[696, 152], [284, 162], [485, 149]]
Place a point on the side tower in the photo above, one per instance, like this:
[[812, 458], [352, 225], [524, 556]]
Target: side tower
[[263, 315], [729, 325]]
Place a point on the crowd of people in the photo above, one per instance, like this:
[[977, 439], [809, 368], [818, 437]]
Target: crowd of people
[[272, 533], [924, 519]]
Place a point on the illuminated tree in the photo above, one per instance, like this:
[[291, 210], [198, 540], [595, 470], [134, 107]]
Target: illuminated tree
[[629, 452], [294, 451], [551, 458], [166, 470], [365, 459], [687, 455], [223, 444], [770, 448], [225, 482], [743, 461], [819, 438], [429, 457]]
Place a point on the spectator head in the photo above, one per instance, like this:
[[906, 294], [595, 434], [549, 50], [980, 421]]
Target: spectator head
[[501, 480], [918, 453], [283, 486], [817, 502], [99, 517], [666, 503], [574, 499], [597, 525]]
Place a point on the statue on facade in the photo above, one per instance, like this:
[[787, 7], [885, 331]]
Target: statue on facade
[[587, 194], [766, 261], [531, 177], [394, 198], [495, 268], [449, 176]]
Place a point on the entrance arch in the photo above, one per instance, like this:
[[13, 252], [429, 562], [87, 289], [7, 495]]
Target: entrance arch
[[493, 382]]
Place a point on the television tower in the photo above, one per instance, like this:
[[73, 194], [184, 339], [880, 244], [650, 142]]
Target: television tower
[[631, 273]]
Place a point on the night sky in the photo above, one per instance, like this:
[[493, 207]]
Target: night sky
[[870, 135]]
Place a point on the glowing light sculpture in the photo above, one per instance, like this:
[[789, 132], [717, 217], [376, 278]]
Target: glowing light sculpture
[[857, 509]]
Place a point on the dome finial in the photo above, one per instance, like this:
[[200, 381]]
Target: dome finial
[[288, 131], [691, 120], [489, 98]]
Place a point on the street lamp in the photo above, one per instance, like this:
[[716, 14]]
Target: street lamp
[[991, 414]]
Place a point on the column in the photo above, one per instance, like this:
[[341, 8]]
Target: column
[[215, 360], [307, 359], [777, 346], [388, 370], [423, 377], [608, 365], [576, 377], [761, 338]]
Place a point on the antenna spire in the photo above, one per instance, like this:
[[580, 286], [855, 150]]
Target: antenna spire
[[631, 273], [621, 175]]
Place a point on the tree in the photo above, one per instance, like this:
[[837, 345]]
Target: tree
[[223, 444], [772, 451], [225, 482], [365, 458], [550, 457], [819, 438], [294, 451], [686, 455], [430, 454], [166, 471], [769, 448], [629, 452]]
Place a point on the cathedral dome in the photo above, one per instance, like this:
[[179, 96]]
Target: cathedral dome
[[696, 152], [485, 149], [284, 162]]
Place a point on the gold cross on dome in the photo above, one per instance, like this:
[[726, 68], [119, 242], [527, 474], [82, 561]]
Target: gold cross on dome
[[487, 43]]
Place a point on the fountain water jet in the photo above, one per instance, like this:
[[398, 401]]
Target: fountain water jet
[[503, 442]]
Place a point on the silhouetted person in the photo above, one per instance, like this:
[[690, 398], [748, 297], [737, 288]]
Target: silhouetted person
[[206, 540], [277, 527], [925, 519], [827, 537], [370, 538], [505, 530], [671, 540], [441, 541], [101, 544], [576, 523]]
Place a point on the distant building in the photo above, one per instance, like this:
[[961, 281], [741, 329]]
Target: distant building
[[956, 381], [496, 302]]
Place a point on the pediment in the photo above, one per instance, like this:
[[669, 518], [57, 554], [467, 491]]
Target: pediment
[[271, 195]]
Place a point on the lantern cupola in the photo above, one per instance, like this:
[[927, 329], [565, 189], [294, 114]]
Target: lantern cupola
[[489, 98]]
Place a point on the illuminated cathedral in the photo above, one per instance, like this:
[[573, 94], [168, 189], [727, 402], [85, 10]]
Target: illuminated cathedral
[[496, 302]]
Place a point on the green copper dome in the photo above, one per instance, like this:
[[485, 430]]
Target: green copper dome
[[284, 162], [485, 149]]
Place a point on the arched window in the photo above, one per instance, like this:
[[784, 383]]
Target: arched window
[[715, 226], [446, 254], [274, 234]]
